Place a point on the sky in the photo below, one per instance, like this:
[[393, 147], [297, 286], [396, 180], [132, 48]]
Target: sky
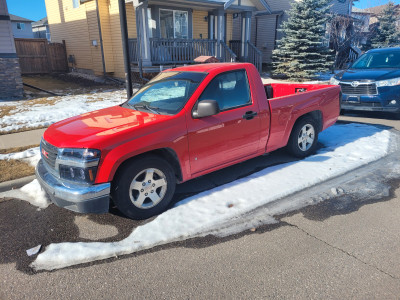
[[371, 3], [36, 9], [30, 9]]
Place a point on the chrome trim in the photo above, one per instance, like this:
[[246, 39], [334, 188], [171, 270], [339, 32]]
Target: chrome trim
[[69, 191], [60, 160]]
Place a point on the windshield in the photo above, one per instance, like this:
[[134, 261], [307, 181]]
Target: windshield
[[167, 93], [378, 60]]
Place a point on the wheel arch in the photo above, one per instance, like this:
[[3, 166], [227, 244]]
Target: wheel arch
[[167, 154]]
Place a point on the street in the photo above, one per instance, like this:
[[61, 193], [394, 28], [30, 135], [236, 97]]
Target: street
[[344, 247]]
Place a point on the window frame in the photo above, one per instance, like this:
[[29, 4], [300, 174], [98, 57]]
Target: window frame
[[249, 103], [20, 26], [173, 20], [76, 3]]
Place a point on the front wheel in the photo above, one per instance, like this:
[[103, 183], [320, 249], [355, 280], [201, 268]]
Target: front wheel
[[144, 187], [304, 137]]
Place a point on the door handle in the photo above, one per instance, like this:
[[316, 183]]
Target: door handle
[[249, 115]]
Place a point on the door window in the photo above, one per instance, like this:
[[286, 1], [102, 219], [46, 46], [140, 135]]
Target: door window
[[229, 89], [174, 24]]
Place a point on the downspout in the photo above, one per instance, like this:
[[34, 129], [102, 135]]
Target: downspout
[[276, 30], [125, 48], [101, 38]]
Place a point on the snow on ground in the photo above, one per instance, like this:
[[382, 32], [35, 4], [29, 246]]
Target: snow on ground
[[28, 114], [31, 156], [347, 147], [32, 192]]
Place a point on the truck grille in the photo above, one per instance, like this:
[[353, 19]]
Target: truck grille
[[48, 153], [362, 89]]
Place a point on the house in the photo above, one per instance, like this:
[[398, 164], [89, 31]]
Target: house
[[21, 27], [375, 11], [10, 72], [265, 34], [362, 24], [161, 33], [41, 29]]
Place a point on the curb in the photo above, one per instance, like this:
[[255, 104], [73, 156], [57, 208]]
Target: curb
[[16, 183]]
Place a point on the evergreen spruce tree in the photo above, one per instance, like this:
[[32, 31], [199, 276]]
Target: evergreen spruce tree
[[302, 52], [386, 32]]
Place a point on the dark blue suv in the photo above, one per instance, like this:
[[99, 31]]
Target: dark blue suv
[[372, 83]]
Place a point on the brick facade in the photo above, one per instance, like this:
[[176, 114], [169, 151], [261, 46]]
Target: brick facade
[[10, 79]]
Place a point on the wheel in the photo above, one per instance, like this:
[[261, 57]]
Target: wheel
[[144, 187], [304, 137]]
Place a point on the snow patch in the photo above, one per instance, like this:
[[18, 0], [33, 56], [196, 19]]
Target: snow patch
[[32, 192], [347, 147], [28, 115], [31, 156]]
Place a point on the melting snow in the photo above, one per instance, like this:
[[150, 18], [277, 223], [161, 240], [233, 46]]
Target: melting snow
[[346, 147], [28, 115]]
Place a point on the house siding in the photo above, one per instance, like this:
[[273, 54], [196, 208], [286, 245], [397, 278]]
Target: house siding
[[341, 8], [6, 37], [200, 26], [25, 33], [70, 24]]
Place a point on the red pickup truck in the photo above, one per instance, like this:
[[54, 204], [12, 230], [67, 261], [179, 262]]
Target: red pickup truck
[[184, 123]]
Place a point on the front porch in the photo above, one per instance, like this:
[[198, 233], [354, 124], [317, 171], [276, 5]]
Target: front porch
[[176, 35]]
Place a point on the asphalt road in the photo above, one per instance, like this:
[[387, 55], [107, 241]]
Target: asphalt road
[[333, 250]]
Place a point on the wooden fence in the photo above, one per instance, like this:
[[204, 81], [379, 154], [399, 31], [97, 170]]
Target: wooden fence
[[38, 56]]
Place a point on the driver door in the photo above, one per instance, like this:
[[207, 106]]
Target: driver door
[[232, 134]]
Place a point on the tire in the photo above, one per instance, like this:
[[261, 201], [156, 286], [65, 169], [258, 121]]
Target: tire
[[304, 137], [144, 187]]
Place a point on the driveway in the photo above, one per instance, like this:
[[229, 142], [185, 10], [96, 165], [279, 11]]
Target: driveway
[[341, 248]]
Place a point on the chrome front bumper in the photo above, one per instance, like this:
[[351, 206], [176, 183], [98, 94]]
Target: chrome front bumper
[[75, 197]]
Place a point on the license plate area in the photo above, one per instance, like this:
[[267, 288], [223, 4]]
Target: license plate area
[[353, 99]]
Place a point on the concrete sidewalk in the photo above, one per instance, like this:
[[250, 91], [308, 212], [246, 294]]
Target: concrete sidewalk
[[21, 139]]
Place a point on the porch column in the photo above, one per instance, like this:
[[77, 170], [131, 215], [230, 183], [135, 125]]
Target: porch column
[[216, 29], [245, 35], [142, 28]]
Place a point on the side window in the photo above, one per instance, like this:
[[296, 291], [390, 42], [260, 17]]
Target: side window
[[20, 26], [229, 89], [75, 3]]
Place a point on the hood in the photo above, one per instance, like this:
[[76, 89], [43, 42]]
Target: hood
[[101, 128], [368, 75]]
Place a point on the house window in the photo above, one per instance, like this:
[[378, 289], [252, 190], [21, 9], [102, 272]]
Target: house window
[[174, 24], [20, 26], [75, 3]]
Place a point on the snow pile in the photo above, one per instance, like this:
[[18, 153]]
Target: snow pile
[[32, 192], [28, 115], [31, 156], [347, 147]]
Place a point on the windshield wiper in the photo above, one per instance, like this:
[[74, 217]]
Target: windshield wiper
[[146, 107]]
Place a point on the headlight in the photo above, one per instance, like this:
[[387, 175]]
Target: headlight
[[79, 165], [334, 81], [389, 82]]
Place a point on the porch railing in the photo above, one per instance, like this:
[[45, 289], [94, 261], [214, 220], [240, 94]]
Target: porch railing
[[227, 53], [133, 50], [235, 45], [354, 53], [255, 56], [167, 51]]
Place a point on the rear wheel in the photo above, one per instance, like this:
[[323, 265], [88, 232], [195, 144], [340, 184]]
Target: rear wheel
[[304, 137], [144, 187]]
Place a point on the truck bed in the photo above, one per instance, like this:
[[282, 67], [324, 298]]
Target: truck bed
[[288, 101], [276, 90]]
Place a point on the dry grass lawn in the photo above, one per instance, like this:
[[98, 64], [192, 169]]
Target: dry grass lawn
[[14, 169], [17, 149]]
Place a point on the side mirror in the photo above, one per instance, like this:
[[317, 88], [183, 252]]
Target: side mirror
[[206, 108]]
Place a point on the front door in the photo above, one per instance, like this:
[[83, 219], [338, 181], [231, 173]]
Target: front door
[[232, 134]]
